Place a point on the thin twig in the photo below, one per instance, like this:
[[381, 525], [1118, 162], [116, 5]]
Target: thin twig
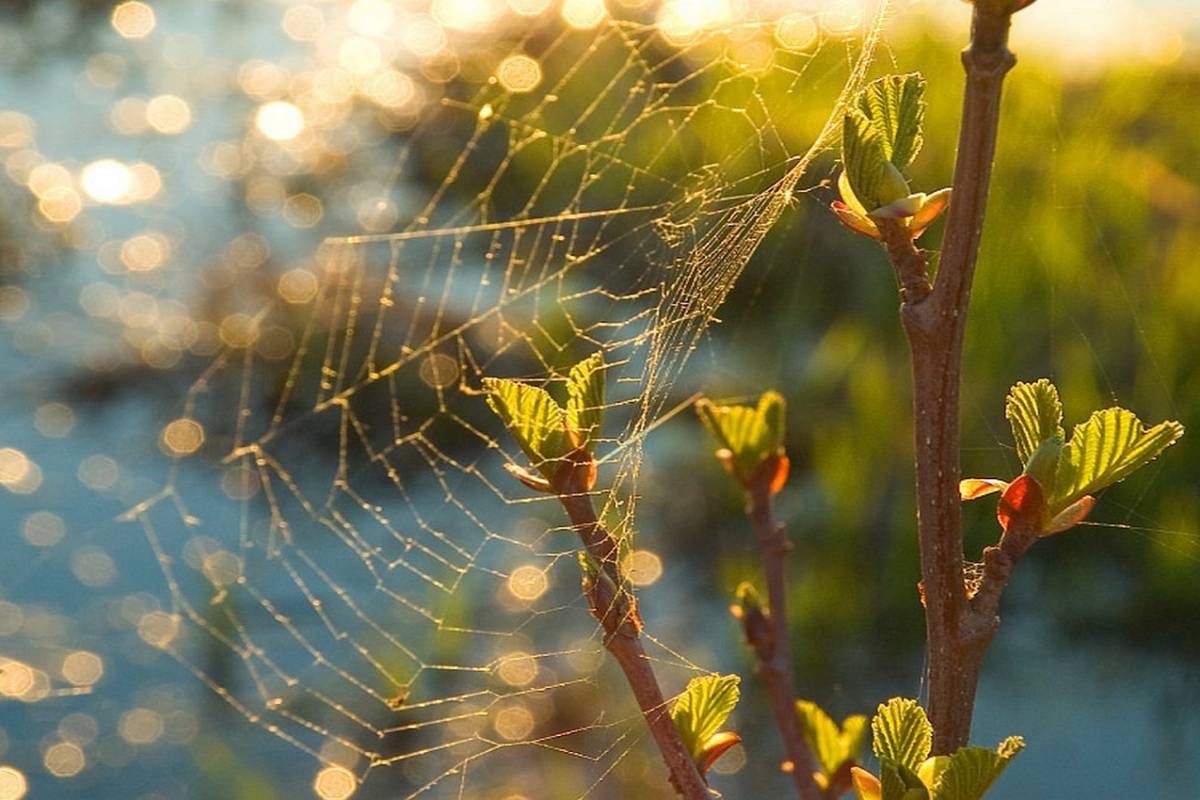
[[772, 641], [616, 610], [934, 325]]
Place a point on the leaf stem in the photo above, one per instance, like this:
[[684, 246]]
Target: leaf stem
[[616, 611], [934, 325], [772, 645]]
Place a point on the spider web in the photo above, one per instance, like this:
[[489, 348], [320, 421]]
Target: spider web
[[406, 611]]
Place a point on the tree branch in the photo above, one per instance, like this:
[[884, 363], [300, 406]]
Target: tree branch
[[934, 325], [772, 641], [999, 561], [616, 611]]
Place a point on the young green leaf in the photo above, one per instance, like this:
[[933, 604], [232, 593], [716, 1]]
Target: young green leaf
[[875, 181], [895, 104], [702, 709], [557, 441], [533, 418], [1035, 414], [1104, 450], [902, 733], [971, 771], [832, 746], [585, 398], [747, 436]]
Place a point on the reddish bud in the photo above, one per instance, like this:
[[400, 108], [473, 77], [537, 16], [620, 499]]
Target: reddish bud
[[1022, 504]]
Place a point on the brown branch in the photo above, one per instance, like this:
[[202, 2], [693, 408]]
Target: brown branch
[[910, 262], [934, 325], [772, 641], [999, 561], [616, 611]]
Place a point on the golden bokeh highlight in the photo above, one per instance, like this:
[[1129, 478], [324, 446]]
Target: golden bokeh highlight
[[360, 56], [158, 628], [15, 467], [684, 21], [46, 178], [141, 726], [439, 371], [303, 23], [371, 17], [527, 583], [279, 120], [643, 567], [43, 529], [797, 31], [64, 760], [238, 330], [298, 286], [303, 210], [17, 679], [107, 181], [13, 785], [519, 74], [467, 15], [181, 437], [82, 668], [517, 669], [529, 8], [584, 14], [16, 130], [168, 114], [145, 252], [514, 723], [60, 205], [334, 783], [133, 20]]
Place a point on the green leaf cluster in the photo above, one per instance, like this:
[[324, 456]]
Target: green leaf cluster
[[903, 738], [834, 746], [881, 135], [703, 708], [747, 435], [546, 431]]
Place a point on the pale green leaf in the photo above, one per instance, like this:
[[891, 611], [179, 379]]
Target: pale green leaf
[[902, 733], [833, 746], [585, 398], [895, 104], [1035, 414], [703, 708], [532, 417], [750, 434], [971, 771], [1108, 447]]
